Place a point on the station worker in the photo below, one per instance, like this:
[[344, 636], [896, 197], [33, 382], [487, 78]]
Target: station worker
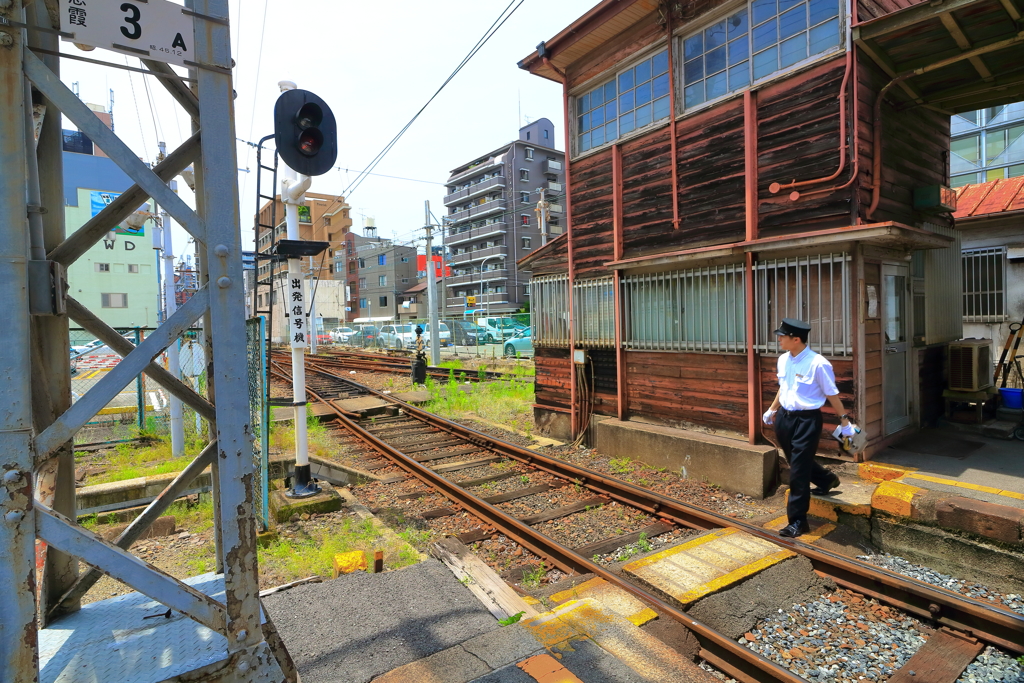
[[806, 381]]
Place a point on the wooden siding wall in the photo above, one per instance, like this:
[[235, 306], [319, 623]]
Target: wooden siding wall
[[872, 9], [843, 369], [915, 148], [551, 385], [701, 388], [873, 356], [554, 260], [798, 139], [591, 187]]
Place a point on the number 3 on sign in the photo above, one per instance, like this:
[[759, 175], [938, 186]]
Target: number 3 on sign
[[154, 29]]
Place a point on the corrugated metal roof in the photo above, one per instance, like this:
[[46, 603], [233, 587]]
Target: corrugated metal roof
[[985, 199]]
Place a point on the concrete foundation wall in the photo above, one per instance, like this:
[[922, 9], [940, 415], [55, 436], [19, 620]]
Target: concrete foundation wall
[[734, 465], [553, 423]]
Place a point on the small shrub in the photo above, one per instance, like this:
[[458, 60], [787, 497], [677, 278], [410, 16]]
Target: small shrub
[[532, 577], [620, 465]]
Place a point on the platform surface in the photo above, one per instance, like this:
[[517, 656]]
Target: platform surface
[[707, 564], [110, 640]]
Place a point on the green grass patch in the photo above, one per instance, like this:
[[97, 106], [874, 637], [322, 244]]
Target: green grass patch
[[131, 460], [620, 465], [504, 401]]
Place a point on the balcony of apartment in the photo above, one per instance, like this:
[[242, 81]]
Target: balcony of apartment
[[482, 300], [478, 254], [474, 278], [479, 210], [474, 189], [551, 166], [552, 186], [463, 235], [483, 166]]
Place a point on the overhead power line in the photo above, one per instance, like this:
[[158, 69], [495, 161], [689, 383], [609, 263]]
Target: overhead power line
[[502, 18]]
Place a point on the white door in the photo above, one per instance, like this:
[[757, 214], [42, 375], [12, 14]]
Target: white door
[[895, 349]]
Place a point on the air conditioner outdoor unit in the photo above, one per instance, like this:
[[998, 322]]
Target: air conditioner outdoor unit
[[970, 365]]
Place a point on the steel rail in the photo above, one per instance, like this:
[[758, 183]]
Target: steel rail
[[737, 661], [989, 623]]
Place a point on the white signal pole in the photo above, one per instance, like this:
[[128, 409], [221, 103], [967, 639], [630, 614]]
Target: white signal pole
[[292, 192], [542, 217], [435, 342]]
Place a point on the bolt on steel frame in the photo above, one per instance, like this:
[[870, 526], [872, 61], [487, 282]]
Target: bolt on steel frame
[[37, 419]]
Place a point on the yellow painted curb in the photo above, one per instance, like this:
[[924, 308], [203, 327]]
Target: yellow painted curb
[[815, 534], [965, 485], [895, 498], [611, 597], [674, 550], [828, 510], [345, 563], [877, 472]]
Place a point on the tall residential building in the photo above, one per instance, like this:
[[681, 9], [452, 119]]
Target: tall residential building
[[382, 271], [987, 144], [323, 218], [492, 221], [117, 277]]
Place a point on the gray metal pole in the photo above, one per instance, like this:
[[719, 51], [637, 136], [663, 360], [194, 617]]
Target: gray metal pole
[[17, 525], [435, 334], [170, 306]]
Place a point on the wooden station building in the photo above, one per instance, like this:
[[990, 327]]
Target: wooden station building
[[731, 163]]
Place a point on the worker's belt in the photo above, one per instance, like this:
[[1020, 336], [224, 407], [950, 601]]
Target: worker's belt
[[801, 413]]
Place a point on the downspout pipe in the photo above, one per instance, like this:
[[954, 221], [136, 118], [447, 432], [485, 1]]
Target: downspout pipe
[[775, 188], [672, 125], [876, 148]]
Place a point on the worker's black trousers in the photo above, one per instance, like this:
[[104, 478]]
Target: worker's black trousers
[[799, 432]]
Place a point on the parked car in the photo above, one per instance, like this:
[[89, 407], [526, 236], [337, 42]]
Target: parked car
[[341, 334], [96, 344], [397, 336], [497, 329], [364, 336], [521, 344], [465, 332], [444, 334]]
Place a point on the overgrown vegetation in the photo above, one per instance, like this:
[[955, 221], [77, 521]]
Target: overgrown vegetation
[[282, 436], [505, 401], [532, 577], [153, 456]]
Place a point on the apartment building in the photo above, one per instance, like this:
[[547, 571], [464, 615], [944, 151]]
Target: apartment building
[[377, 272], [492, 221]]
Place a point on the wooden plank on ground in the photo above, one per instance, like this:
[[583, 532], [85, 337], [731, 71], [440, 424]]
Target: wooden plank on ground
[[496, 595], [523, 493], [438, 512], [466, 464], [942, 659], [565, 510], [447, 454], [616, 542], [470, 483], [476, 535], [431, 446]]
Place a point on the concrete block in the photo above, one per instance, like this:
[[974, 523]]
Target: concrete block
[[614, 598], [282, 507], [964, 558], [998, 522], [553, 423], [734, 465], [504, 646], [895, 498], [366, 405], [413, 396], [453, 665]]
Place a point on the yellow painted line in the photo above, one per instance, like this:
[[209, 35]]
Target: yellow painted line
[[125, 409], [895, 497], [734, 576], [878, 472], [818, 529], [611, 597], [676, 549], [966, 485]]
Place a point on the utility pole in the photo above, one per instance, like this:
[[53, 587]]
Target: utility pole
[[435, 341], [542, 216], [170, 306]]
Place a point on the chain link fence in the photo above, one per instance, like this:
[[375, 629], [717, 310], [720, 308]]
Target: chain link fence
[[259, 418]]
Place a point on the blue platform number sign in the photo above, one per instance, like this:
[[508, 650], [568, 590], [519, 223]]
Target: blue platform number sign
[[99, 201], [152, 29]]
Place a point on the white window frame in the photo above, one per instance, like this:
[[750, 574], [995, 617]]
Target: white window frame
[[133, 267], [524, 174], [106, 300], [526, 243], [102, 267], [529, 153], [382, 280]]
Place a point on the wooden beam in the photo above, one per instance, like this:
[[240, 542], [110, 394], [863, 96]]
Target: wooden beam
[[882, 60], [496, 595], [954, 29], [1010, 9], [905, 18]]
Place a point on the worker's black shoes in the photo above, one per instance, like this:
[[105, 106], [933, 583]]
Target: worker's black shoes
[[795, 529], [824, 490]]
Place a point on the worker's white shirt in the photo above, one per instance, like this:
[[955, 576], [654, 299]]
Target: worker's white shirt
[[805, 380]]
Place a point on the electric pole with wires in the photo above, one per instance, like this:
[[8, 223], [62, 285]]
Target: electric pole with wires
[[435, 341]]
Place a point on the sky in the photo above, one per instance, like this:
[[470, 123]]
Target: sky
[[375, 64]]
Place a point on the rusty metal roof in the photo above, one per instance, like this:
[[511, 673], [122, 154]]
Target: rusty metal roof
[[987, 199], [950, 55]]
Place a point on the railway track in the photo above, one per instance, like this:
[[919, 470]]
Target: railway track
[[450, 459], [354, 360]]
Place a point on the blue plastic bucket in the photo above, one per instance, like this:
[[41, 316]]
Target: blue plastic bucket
[[1011, 398]]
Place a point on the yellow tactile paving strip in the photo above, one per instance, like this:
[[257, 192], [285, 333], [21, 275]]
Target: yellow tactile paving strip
[[878, 472], [819, 528], [707, 564], [612, 597]]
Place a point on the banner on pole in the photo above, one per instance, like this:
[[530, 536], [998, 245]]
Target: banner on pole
[[297, 311]]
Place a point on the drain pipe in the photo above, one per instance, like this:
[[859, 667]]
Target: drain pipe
[[876, 148], [775, 188]]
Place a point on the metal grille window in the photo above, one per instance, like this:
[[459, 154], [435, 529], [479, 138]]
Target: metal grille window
[[811, 288], [701, 309], [984, 278], [594, 309], [549, 303]]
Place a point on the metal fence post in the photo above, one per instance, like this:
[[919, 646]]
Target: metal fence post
[[265, 421], [140, 394]]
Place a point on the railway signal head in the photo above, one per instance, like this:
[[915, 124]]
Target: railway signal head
[[305, 132]]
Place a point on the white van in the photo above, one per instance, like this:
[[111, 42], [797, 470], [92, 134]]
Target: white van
[[444, 335], [398, 336], [496, 329]]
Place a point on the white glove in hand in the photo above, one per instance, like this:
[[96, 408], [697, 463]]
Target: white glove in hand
[[768, 417], [849, 430]]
